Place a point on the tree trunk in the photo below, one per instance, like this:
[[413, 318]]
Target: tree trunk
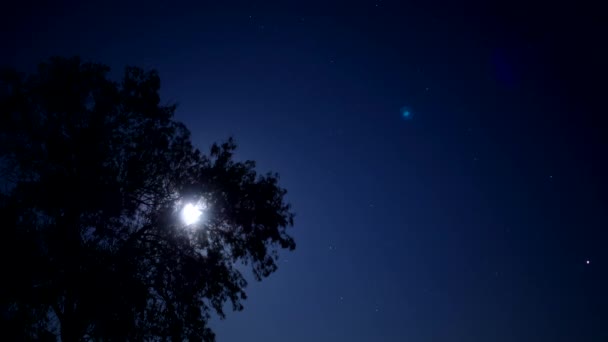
[[71, 330]]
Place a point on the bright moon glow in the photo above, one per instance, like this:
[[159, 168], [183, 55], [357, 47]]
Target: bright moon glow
[[191, 214]]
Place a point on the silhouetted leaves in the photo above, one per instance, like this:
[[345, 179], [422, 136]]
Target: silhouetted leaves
[[93, 248]]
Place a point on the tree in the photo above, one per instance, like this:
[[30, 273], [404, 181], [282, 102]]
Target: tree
[[93, 247]]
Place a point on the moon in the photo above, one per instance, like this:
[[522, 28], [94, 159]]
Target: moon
[[191, 214]]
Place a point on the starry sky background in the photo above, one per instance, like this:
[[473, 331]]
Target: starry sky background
[[472, 221]]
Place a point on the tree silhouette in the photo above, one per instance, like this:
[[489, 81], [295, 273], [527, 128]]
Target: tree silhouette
[[96, 173]]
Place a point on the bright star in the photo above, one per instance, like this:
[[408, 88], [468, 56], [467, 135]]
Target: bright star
[[406, 113]]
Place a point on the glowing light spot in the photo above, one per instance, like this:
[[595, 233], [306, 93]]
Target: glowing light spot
[[587, 262], [191, 214], [406, 113]]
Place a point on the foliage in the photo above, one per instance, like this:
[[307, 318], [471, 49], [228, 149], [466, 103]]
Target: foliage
[[92, 247]]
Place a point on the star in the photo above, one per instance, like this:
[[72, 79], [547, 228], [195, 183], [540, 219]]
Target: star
[[587, 262]]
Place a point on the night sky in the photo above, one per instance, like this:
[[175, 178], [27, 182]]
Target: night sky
[[481, 216]]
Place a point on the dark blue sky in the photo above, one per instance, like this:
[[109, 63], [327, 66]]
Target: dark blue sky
[[473, 221]]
